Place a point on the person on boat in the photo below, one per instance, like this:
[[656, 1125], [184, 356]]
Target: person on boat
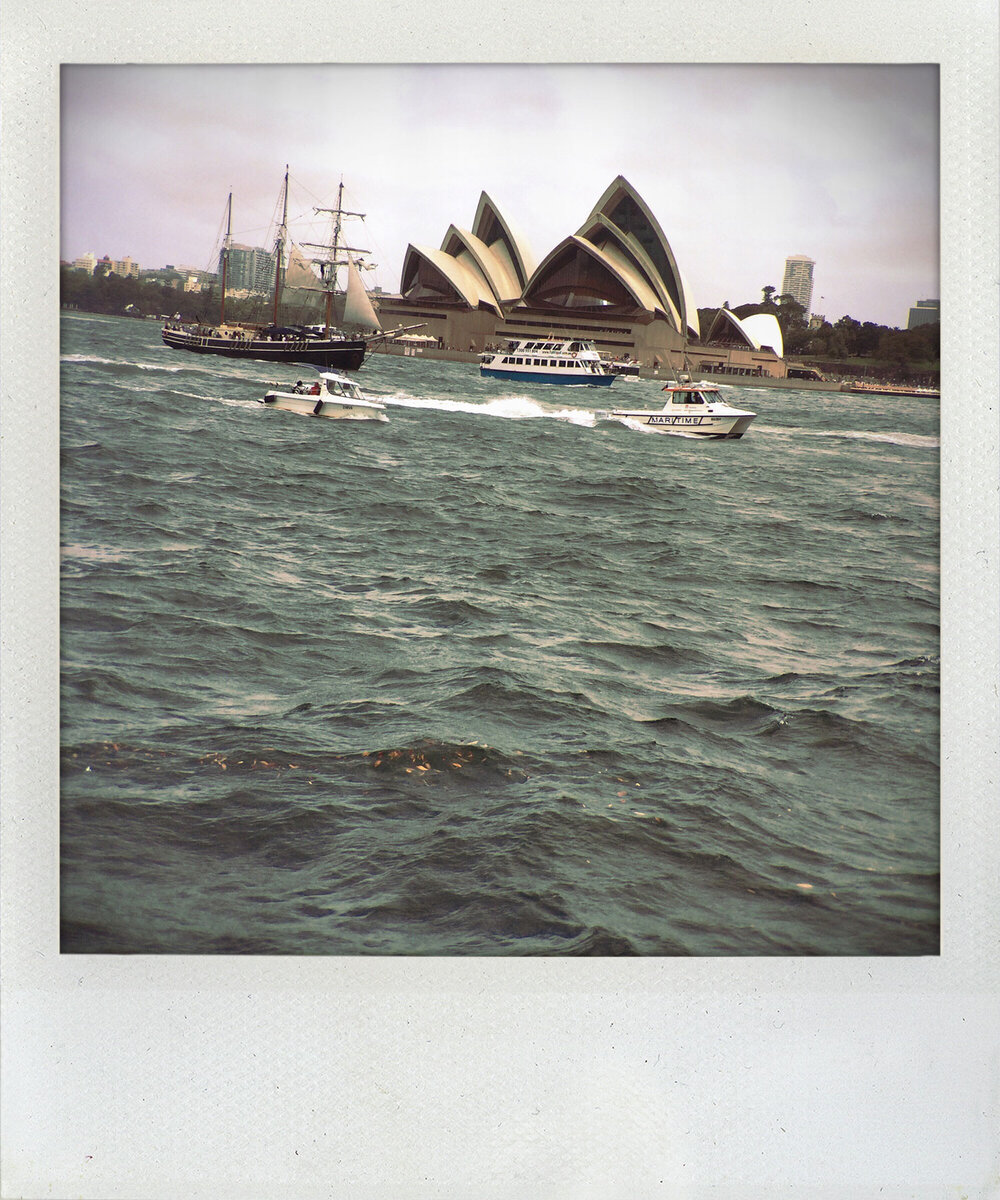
[[314, 390]]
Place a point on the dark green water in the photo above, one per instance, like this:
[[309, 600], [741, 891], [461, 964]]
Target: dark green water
[[492, 678]]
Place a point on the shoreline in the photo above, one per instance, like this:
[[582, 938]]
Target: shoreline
[[857, 386]]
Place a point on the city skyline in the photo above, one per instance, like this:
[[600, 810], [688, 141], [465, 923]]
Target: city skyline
[[755, 161]]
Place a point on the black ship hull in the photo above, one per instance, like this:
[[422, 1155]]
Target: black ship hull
[[341, 354]]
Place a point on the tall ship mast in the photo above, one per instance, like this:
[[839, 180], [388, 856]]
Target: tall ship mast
[[279, 249], [224, 257], [327, 348], [358, 310]]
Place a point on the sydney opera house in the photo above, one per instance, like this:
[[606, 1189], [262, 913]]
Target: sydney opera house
[[614, 282]]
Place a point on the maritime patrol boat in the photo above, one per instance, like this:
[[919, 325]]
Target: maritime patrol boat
[[549, 361], [332, 395], [691, 409]]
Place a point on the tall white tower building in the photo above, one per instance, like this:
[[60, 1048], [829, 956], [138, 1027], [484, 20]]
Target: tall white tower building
[[798, 282]]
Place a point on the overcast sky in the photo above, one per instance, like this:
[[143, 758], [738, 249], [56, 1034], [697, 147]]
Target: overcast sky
[[742, 165]]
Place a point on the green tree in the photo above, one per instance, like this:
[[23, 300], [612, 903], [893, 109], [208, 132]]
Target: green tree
[[850, 330]]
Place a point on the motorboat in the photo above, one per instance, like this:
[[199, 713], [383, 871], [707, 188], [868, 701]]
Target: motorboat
[[692, 410], [331, 395], [549, 361]]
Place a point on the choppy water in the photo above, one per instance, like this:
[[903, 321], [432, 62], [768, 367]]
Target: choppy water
[[492, 678]]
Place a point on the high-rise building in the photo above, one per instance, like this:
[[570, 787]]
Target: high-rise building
[[250, 269], [124, 267], [798, 282], [924, 312], [86, 262]]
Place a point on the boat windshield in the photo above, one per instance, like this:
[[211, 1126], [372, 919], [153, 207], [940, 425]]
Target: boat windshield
[[344, 387]]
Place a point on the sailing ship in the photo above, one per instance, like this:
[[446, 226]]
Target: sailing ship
[[316, 345]]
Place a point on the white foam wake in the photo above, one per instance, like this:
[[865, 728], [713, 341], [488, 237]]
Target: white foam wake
[[914, 440], [511, 408], [119, 362]]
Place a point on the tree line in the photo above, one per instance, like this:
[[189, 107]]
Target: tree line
[[115, 295]]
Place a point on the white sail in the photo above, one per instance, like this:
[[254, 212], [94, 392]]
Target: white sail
[[357, 307], [299, 273]]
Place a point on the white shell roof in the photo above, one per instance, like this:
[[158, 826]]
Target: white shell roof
[[726, 317], [691, 309], [494, 268], [469, 284], [616, 191], [764, 331], [637, 287], [517, 251], [633, 260]]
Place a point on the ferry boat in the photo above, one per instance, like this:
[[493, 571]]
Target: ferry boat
[[332, 395], [692, 410], [862, 386], [548, 361]]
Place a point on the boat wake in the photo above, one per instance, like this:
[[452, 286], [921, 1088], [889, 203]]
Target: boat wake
[[916, 441], [511, 408], [120, 364], [230, 401]]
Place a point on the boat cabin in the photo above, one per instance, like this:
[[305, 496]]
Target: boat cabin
[[571, 355], [329, 384], [565, 349], [690, 394]]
